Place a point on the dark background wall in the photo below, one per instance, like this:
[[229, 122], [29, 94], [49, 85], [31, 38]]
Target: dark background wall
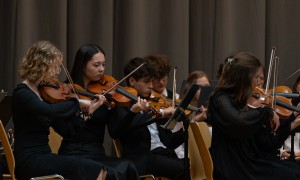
[[195, 34]]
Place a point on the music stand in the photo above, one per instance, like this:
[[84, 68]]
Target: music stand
[[204, 96], [179, 115], [5, 108]]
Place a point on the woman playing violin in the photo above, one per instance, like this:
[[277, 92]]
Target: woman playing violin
[[33, 117], [84, 138], [234, 149], [201, 79], [268, 143]]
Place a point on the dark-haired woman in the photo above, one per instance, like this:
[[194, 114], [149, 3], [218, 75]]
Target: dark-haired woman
[[234, 150], [84, 137]]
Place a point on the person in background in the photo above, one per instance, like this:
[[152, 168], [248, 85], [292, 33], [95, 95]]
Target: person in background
[[201, 79], [268, 143], [32, 117], [162, 67], [146, 143], [84, 138], [234, 150]]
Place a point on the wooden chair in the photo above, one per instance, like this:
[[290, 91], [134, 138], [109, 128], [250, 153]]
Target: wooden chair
[[197, 171], [202, 137], [54, 141], [118, 150], [11, 159]]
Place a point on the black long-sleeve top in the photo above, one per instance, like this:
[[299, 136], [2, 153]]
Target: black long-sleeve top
[[85, 138], [234, 150], [136, 141], [32, 118]]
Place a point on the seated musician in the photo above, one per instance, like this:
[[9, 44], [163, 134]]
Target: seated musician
[[269, 142], [32, 117], [150, 146], [235, 150], [162, 66], [286, 148], [201, 79], [84, 136]]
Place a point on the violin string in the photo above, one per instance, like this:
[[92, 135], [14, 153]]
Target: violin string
[[70, 80]]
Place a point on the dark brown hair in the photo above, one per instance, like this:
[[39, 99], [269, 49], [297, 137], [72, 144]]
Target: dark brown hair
[[237, 75], [161, 65], [146, 70]]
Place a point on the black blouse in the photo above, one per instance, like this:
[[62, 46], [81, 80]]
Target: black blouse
[[234, 150]]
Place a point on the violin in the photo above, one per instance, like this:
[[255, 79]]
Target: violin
[[284, 106], [106, 86], [126, 93], [55, 91], [284, 91], [158, 102]]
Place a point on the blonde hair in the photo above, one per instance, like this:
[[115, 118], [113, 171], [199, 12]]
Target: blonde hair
[[39, 60]]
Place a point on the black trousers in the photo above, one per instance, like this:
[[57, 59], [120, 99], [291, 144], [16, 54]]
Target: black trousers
[[164, 162]]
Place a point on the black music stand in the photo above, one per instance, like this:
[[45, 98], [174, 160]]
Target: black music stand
[[179, 115], [204, 96], [5, 108]]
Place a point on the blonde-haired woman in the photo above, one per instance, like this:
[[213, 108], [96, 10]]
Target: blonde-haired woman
[[32, 118]]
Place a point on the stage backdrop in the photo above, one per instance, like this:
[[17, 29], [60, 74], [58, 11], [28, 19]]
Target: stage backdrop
[[195, 34]]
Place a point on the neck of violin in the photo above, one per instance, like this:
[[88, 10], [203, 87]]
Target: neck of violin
[[125, 93], [287, 106], [85, 93]]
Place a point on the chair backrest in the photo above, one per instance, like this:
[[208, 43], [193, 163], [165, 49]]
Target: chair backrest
[[7, 151], [204, 129], [54, 141], [199, 129], [197, 171]]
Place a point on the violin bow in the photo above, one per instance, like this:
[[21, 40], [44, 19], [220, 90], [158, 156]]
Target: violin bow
[[115, 85], [70, 80], [291, 75], [272, 60], [174, 87]]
